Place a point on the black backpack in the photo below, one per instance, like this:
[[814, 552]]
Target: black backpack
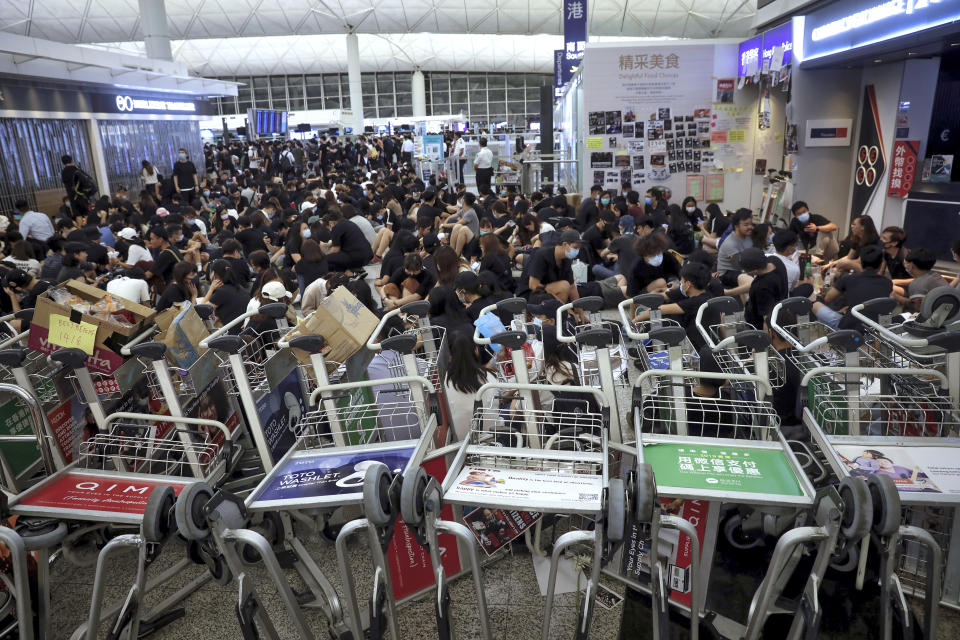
[[84, 185]]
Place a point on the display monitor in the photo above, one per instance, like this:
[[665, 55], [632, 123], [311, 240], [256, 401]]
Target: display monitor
[[267, 122]]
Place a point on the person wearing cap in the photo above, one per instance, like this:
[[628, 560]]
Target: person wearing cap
[[270, 293], [768, 287], [130, 246], [23, 290], [132, 286], [550, 269], [597, 237]]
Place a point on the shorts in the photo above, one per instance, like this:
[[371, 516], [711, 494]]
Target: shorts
[[606, 289]]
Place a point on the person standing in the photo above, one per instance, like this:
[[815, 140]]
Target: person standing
[[483, 165], [406, 150], [81, 188], [151, 178], [185, 179], [460, 153]]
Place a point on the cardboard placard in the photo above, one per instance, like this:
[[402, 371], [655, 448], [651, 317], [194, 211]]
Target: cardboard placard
[[79, 335]]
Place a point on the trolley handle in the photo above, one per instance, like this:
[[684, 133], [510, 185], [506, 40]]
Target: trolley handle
[[857, 312], [419, 308], [625, 319], [6, 344], [707, 375], [362, 384], [514, 386], [239, 320], [783, 333], [875, 371], [199, 422], [560, 311], [127, 349], [725, 304], [477, 338]]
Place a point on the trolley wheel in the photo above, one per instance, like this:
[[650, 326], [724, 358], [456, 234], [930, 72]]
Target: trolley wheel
[[735, 536], [616, 510], [38, 533], [846, 558], [376, 494], [412, 498], [194, 554], [857, 508], [942, 297], [220, 571], [646, 497], [157, 523], [886, 504], [190, 521]]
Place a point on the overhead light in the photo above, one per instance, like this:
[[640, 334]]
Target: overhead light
[[911, 53], [955, 44], [878, 60]]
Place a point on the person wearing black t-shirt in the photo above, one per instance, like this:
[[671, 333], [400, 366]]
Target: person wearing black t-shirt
[[808, 225], [429, 210], [769, 285], [855, 288], [894, 255], [588, 212], [408, 284], [683, 302], [596, 236], [23, 291], [251, 239], [185, 178], [550, 269], [654, 266], [180, 289], [225, 295], [165, 256], [348, 248], [310, 263]]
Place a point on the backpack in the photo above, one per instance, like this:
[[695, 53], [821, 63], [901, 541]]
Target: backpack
[[83, 184], [285, 163]]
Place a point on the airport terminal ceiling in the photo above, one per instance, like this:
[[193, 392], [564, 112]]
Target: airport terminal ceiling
[[216, 37]]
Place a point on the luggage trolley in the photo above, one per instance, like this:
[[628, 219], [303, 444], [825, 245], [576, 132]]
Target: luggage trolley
[[694, 443], [429, 340], [125, 476], [890, 442], [654, 353], [508, 367], [737, 346], [528, 459], [345, 455]]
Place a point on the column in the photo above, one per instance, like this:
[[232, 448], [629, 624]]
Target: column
[[353, 73], [96, 154], [418, 87], [156, 33]]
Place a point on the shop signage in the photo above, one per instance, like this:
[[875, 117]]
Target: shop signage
[[757, 52], [749, 56], [871, 158], [841, 26], [574, 35], [128, 104], [904, 168], [558, 64]]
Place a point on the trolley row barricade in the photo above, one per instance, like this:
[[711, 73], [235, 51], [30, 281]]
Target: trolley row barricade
[[727, 449], [344, 456], [524, 367]]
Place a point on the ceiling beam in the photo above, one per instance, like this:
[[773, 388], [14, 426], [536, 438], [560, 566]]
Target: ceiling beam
[[83, 20]]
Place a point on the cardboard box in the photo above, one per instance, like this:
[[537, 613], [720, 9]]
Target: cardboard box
[[111, 336], [343, 321], [574, 200], [183, 338]]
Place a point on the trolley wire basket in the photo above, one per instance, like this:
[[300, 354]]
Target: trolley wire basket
[[742, 359], [126, 450], [41, 371], [355, 422], [427, 352], [256, 350], [587, 365]]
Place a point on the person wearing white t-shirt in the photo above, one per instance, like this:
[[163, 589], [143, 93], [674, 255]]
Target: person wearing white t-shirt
[[254, 159], [460, 153], [136, 252], [131, 286], [406, 151], [483, 164], [785, 243], [151, 178]]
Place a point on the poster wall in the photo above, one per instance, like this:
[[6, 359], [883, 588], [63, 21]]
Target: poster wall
[[649, 114]]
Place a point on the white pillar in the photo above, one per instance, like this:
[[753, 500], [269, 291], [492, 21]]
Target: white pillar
[[353, 72], [156, 33], [418, 87], [96, 154]]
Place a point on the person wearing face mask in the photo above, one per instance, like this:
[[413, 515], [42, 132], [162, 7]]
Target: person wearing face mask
[[185, 180], [690, 208], [588, 212], [683, 302], [550, 269], [808, 226], [654, 267], [768, 287], [919, 263]]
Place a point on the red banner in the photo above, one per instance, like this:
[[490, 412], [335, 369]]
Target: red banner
[[90, 493], [102, 360], [904, 168], [410, 567]]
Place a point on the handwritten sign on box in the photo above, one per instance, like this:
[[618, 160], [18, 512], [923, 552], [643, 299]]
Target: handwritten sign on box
[[65, 333]]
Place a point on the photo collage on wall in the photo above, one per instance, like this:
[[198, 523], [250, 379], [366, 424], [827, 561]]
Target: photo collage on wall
[[627, 148]]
